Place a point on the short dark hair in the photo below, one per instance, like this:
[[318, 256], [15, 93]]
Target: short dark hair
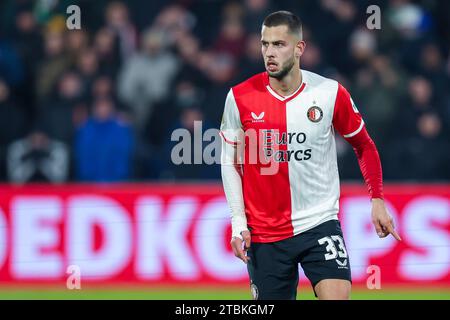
[[286, 18]]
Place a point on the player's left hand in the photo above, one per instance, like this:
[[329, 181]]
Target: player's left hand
[[241, 246], [382, 220]]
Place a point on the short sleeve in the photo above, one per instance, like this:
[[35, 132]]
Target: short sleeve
[[231, 132], [346, 118], [231, 127]]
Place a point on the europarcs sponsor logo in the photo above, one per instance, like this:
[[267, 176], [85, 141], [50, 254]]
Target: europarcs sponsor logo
[[273, 142]]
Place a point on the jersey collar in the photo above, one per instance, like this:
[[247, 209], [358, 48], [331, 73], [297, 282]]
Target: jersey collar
[[279, 97]]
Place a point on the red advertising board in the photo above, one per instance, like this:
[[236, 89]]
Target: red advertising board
[[173, 234]]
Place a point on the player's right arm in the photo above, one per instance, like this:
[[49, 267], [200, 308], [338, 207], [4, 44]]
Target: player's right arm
[[348, 122], [231, 168]]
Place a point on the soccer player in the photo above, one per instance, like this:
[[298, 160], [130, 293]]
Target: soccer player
[[284, 205]]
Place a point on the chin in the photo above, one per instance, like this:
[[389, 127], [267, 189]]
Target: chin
[[273, 73], [276, 75]]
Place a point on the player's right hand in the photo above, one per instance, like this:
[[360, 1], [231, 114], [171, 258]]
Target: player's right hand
[[240, 247], [382, 220]]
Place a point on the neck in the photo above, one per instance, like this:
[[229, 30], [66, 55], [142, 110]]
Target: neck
[[289, 83]]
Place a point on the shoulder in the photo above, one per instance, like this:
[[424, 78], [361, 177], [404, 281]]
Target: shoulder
[[316, 81], [253, 84]]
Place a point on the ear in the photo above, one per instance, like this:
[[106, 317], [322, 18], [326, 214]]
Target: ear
[[300, 48]]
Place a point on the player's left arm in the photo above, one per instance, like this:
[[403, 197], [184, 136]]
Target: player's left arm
[[348, 122]]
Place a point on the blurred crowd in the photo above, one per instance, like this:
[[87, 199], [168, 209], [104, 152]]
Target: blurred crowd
[[100, 103]]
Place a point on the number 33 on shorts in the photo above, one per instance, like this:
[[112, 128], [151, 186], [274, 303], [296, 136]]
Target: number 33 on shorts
[[335, 249]]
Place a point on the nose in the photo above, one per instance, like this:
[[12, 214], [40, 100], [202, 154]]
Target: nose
[[270, 53]]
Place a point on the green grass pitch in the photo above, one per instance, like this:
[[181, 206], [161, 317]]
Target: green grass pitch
[[173, 293]]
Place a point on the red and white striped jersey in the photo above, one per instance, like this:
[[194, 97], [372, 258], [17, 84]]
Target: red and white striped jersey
[[297, 134]]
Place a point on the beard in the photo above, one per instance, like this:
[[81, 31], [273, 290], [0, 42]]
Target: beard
[[285, 69]]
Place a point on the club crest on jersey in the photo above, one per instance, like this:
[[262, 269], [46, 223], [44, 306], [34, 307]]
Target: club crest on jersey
[[315, 114]]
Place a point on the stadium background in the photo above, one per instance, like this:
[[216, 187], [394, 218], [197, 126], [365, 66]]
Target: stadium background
[[86, 118]]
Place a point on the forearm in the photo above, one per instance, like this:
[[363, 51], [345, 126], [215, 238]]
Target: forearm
[[369, 163], [232, 185], [231, 159]]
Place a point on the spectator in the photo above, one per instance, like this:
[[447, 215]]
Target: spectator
[[337, 26], [423, 155], [256, 11], [362, 47], [189, 51], [377, 91], [418, 101], [13, 123], [58, 115], [412, 25], [175, 22], [54, 63], [104, 146], [146, 78], [432, 67], [221, 71], [87, 67], [102, 86], [233, 10], [10, 11], [107, 49], [231, 39], [186, 95], [252, 61], [27, 42], [118, 20], [11, 66], [312, 59], [37, 158], [189, 170], [77, 42]]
